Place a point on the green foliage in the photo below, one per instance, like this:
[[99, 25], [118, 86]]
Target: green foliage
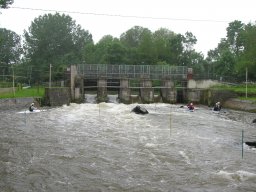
[[235, 53], [233, 36], [5, 3], [10, 46], [56, 40], [239, 88], [247, 59]]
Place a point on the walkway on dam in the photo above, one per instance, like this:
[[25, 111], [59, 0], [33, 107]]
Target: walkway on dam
[[153, 72]]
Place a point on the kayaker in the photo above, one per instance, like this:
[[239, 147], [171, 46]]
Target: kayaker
[[190, 106], [217, 106], [31, 107]]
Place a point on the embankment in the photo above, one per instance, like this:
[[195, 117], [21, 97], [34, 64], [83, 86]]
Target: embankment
[[242, 105]]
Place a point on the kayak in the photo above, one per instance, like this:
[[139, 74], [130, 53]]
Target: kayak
[[34, 111]]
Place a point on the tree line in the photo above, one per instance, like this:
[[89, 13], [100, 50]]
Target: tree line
[[56, 39]]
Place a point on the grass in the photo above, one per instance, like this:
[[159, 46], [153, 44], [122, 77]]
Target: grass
[[30, 92], [251, 89], [241, 90]]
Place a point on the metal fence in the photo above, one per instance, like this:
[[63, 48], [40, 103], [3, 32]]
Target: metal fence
[[92, 71]]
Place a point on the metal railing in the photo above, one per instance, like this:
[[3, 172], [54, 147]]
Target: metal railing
[[92, 71]]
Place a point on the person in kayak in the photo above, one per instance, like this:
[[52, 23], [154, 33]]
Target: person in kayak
[[190, 106], [31, 107], [217, 106]]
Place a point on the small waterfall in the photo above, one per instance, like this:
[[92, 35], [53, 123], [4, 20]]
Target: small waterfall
[[90, 98], [113, 99]]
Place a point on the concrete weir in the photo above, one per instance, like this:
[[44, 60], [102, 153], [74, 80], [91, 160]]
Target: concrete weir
[[142, 75], [138, 79]]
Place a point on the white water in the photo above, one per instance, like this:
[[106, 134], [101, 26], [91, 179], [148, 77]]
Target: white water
[[105, 147]]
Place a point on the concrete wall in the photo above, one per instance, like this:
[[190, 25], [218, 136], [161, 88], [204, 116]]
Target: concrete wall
[[210, 96], [168, 93], [57, 96], [201, 84], [194, 95]]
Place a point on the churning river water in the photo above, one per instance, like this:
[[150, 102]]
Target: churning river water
[[105, 147]]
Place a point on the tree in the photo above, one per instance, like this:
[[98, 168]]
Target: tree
[[161, 39], [175, 49], [109, 50], [222, 60], [247, 59], [190, 57], [133, 37], [189, 40], [146, 49], [5, 3], [101, 49], [116, 53], [57, 40], [10, 46], [138, 43], [233, 33]]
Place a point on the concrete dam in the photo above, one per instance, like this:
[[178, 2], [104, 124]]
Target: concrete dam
[[132, 83]]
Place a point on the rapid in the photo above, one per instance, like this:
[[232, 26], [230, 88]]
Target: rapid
[[105, 147]]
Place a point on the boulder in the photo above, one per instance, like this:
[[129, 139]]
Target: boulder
[[251, 143], [139, 110]]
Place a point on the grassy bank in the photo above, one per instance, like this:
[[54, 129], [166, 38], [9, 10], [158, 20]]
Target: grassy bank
[[240, 90], [29, 92]]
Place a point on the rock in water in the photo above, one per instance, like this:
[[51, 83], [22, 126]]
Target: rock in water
[[139, 110]]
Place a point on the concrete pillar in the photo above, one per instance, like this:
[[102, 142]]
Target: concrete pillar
[[146, 91], [102, 95], [168, 92], [73, 74], [124, 92]]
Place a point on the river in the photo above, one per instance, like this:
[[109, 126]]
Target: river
[[105, 147]]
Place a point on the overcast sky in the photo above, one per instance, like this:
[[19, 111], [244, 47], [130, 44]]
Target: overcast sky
[[206, 19]]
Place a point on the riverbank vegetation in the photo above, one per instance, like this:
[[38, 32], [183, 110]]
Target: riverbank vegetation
[[245, 92], [54, 41]]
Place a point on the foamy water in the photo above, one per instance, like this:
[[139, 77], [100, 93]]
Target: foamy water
[[105, 147]]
